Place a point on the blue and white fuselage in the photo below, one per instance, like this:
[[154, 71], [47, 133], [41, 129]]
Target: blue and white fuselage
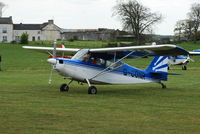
[[80, 71], [110, 71]]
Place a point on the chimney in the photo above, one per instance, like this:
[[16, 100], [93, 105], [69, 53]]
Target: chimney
[[50, 22]]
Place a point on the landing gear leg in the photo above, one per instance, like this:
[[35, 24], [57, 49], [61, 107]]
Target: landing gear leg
[[65, 87], [91, 89], [163, 85]]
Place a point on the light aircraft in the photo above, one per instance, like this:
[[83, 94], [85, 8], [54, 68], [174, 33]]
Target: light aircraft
[[179, 60], [105, 66], [183, 60]]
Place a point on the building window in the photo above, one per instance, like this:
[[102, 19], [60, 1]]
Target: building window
[[4, 30], [38, 32], [5, 39], [38, 37], [17, 38]]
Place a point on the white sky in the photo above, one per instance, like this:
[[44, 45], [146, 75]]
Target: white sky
[[91, 14]]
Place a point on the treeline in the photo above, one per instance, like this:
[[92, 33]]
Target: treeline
[[189, 28]]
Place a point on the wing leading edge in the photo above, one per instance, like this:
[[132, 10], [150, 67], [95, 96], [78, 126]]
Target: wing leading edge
[[150, 50], [51, 49]]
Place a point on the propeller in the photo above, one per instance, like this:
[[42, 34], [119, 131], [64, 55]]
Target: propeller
[[190, 59], [53, 62]]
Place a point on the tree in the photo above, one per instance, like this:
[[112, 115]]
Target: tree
[[184, 29], [24, 38], [136, 17], [194, 15], [178, 29]]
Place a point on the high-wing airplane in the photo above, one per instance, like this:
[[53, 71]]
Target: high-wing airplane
[[179, 60], [105, 66], [183, 60]]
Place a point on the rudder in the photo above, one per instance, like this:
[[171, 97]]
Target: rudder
[[158, 68]]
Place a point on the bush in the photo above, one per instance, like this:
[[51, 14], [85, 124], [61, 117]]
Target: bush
[[24, 38]]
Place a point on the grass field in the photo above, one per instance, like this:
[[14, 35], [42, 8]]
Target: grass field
[[28, 105]]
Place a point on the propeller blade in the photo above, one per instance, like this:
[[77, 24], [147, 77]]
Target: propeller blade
[[53, 61], [50, 76], [54, 50]]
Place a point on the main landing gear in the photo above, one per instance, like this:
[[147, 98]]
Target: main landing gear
[[91, 90], [184, 67], [65, 87]]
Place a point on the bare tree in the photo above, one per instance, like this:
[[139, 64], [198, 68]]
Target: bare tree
[[194, 15], [136, 17], [178, 30]]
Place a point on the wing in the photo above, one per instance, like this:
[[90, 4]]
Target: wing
[[166, 50], [194, 52], [153, 50], [51, 49]]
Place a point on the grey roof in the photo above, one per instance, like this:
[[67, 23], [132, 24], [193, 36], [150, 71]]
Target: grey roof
[[29, 26], [6, 20]]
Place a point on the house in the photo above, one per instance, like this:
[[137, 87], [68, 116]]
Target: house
[[6, 29], [12, 32], [49, 31], [36, 32]]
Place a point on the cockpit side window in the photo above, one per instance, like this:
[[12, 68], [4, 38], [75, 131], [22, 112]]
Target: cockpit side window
[[100, 62]]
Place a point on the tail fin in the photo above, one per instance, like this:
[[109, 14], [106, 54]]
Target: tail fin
[[158, 69]]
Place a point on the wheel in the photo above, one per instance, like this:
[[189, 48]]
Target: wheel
[[64, 88], [163, 86], [184, 68], [92, 90]]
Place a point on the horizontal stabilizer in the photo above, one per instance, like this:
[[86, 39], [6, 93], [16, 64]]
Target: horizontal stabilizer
[[174, 74]]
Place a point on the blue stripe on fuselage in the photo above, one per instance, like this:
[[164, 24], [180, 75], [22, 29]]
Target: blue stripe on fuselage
[[125, 69]]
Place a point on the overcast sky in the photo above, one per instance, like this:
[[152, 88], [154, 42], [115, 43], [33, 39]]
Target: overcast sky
[[91, 14]]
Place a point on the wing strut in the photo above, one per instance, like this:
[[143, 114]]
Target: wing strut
[[108, 68]]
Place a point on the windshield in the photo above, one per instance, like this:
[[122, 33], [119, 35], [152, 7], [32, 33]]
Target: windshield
[[80, 54]]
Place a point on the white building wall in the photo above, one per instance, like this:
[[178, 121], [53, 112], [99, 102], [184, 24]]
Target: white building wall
[[34, 35], [6, 32], [51, 32]]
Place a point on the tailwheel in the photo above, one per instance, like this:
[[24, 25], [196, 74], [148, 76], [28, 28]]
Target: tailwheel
[[163, 86], [92, 90], [184, 67], [64, 88]]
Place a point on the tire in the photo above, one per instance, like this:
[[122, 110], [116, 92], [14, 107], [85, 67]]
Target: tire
[[64, 88], [184, 68], [92, 90]]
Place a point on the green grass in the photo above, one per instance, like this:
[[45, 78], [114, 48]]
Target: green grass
[[28, 105]]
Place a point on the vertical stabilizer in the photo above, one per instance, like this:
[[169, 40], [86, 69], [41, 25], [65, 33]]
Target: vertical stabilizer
[[158, 69], [159, 64]]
